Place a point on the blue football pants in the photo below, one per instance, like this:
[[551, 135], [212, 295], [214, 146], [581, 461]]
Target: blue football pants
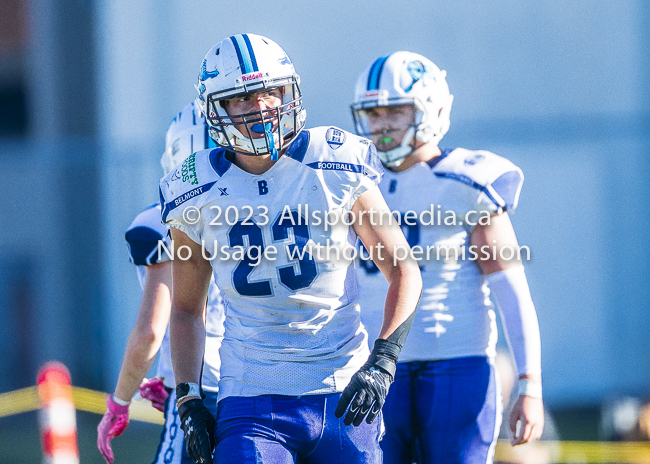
[[446, 411], [277, 429]]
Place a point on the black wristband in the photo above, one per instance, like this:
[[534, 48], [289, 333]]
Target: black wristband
[[385, 353], [387, 349], [384, 356]]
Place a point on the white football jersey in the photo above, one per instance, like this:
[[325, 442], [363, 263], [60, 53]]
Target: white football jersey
[[292, 319], [455, 317], [142, 238]]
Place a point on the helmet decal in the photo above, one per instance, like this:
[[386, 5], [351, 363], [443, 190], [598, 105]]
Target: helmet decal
[[205, 74], [201, 90], [416, 70], [254, 76]]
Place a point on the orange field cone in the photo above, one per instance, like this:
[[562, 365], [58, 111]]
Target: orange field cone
[[57, 418]]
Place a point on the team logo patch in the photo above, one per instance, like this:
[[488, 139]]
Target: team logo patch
[[473, 159], [335, 137], [188, 170]]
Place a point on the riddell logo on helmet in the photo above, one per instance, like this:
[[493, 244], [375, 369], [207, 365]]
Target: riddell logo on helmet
[[371, 94], [252, 76]]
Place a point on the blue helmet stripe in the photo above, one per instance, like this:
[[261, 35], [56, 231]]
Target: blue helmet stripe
[[242, 64], [251, 53], [375, 72], [243, 54]]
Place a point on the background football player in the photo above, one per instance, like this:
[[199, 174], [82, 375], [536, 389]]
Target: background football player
[[293, 338], [445, 404], [187, 133]]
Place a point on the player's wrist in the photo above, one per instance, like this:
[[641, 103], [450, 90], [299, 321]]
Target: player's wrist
[[384, 356], [120, 401], [189, 406], [188, 391], [530, 388], [115, 408], [536, 378]]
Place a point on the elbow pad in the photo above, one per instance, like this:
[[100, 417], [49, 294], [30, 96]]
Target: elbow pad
[[512, 295]]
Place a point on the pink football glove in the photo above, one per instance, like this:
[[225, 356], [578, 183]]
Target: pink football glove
[[154, 391], [115, 420]]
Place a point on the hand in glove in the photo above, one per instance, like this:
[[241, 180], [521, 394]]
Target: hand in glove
[[115, 420], [154, 391], [367, 390], [198, 425]]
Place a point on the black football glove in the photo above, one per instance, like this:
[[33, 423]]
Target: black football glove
[[366, 392], [198, 426]]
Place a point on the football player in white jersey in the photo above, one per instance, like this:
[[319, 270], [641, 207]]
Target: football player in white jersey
[[445, 405], [187, 133], [295, 356]]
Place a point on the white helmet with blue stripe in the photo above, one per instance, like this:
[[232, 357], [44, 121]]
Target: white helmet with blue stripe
[[242, 64], [187, 133], [404, 78]]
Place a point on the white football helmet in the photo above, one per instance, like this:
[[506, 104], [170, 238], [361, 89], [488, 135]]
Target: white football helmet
[[239, 65], [187, 133], [404, 78]]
